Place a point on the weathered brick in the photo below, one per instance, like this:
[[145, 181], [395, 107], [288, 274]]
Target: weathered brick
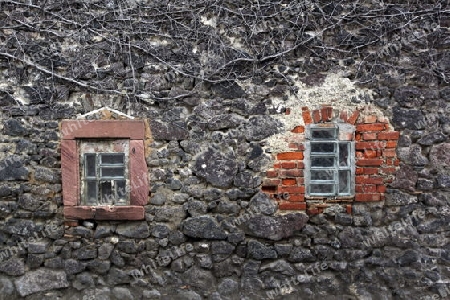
[[353, 117], [289, 181], [298, 129], [271, 182], [293, 189], [368, 136], [326, 112], [343, 115], [349, 209], [289, 165], [290, 156], [389, 152], [371, 127], [296, 197], [369, 145], [370, 171], [367, 197], [381, 188], [373, 180], [391, 144], [369, 162], [293, 146], [316, 116], [291, 173], [292, 205], [371, 153], [359, 171], [390, 135], [365, 188], [306, 115], [271, 173]]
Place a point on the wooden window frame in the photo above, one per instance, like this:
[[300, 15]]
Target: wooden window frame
[[75, 130]]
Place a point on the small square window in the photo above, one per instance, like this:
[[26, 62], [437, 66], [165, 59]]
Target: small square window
[[104, 172], [329, 166]]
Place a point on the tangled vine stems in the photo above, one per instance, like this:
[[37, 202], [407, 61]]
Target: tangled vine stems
[[110, 46]]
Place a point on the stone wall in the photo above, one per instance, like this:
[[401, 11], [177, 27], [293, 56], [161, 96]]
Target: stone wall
[[222, 87]]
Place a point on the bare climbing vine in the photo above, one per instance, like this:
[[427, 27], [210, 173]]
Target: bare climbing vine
[[122, 47]]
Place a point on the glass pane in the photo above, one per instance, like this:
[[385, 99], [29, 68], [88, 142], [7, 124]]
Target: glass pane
[[322, 147], [343, 154], [344, 182], [91, 192], [107, 195], [322, 175], [322, 161], [89, 164], [321, 189], [112, 172], [323, 133], [112, 158], [121, 192]]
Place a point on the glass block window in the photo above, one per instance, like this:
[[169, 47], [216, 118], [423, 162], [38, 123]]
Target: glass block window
[[329, 164]]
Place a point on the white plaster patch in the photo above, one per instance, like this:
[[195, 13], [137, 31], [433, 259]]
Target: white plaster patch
[[336, 91]]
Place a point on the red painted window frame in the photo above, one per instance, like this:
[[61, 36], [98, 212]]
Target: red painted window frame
[[73, 130]]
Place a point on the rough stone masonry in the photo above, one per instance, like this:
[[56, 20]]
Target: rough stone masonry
[[226, 90]]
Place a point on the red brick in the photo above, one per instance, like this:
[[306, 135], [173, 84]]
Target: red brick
[[292, 173], [397, 162], [370, 153], [353, 117], [327, 112], [373, 180], [370, 119], [297, 198], [369, 145], [358, 136], [391, 144], [371, 171], [290, 156], [359, 154], [359, 171], [390, 135], [349, 209], [289, 165], [301, 165], [367, 197], [316, 116], [293, 189], [365, 188], [360, 179], [289, 181], [292, 205], [298, 129], [370, 127], [271, 173], [313, 211], [301, 180], [367, 136], [389, 152], [301, 147], [381, 188], [369, 162], [277, 165], [288, 111], [271, 182], [306, 115]]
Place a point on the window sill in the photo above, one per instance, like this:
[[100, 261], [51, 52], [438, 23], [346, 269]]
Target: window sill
[[130, 212]]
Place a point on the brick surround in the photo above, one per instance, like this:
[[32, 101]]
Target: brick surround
[[375, 157]]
